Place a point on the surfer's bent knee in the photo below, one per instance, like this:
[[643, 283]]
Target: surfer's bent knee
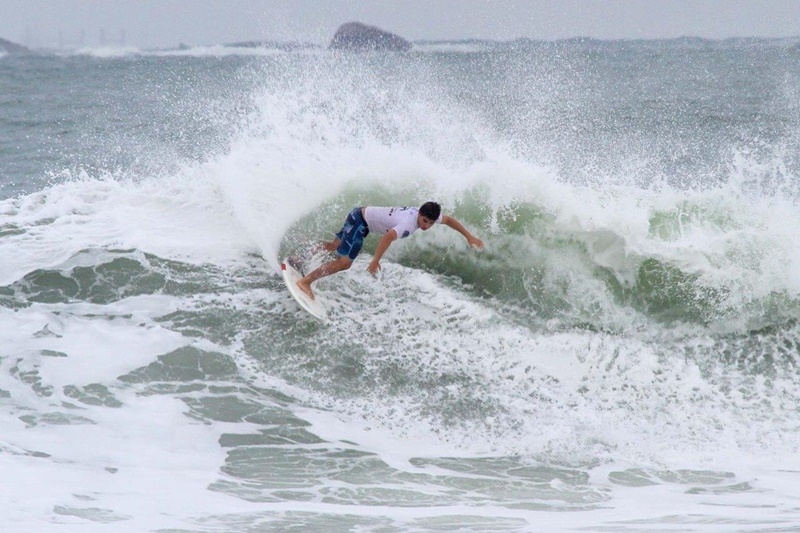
[[345, 262]]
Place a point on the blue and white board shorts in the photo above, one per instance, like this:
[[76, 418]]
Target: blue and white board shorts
[[352, 234]]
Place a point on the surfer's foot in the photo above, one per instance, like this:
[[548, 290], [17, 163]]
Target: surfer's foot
[[306, 288]]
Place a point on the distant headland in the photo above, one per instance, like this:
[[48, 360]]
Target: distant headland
[[8, 47], [356, 37]]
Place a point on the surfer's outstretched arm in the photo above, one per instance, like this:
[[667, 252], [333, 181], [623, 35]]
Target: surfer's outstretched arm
[[472, 240], [386, 241]]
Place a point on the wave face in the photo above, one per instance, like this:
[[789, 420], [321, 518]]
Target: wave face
[[629, 335]]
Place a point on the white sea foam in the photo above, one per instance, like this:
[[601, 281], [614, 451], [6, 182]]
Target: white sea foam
[[669, 424]]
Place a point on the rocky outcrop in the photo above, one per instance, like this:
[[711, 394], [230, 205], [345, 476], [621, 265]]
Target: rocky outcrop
[[358, 37], [8, 47]]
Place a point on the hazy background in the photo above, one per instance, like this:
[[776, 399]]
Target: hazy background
[[165, 23]]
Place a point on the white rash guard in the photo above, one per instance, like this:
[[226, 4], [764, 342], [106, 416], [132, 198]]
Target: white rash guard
[[401, 219]]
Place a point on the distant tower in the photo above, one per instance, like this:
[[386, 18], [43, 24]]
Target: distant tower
[[122, 38], [102, 36]]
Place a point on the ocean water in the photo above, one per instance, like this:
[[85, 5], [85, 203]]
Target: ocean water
[[622, 356]]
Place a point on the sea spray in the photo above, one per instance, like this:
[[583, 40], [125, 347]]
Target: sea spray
[[625, 346]]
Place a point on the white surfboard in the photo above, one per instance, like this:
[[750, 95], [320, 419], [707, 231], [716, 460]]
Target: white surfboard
[[313, 307]]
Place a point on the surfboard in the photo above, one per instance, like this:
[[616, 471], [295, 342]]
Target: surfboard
[[312, 307]]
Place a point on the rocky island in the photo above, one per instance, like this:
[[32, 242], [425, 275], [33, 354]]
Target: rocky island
[[358, 37], [7, 47]]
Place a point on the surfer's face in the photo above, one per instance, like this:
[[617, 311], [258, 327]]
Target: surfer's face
[[424, 222]]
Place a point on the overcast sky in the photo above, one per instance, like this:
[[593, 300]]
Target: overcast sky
[[165, 23]]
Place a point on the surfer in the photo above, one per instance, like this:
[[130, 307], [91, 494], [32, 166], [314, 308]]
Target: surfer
[[393, 223]]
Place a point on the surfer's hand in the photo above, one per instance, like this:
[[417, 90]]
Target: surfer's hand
[[476, 242], [374, 267]]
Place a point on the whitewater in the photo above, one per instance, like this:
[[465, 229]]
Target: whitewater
[[622, 356]]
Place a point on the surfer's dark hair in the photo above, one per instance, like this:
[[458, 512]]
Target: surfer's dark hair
[[430, 210]]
